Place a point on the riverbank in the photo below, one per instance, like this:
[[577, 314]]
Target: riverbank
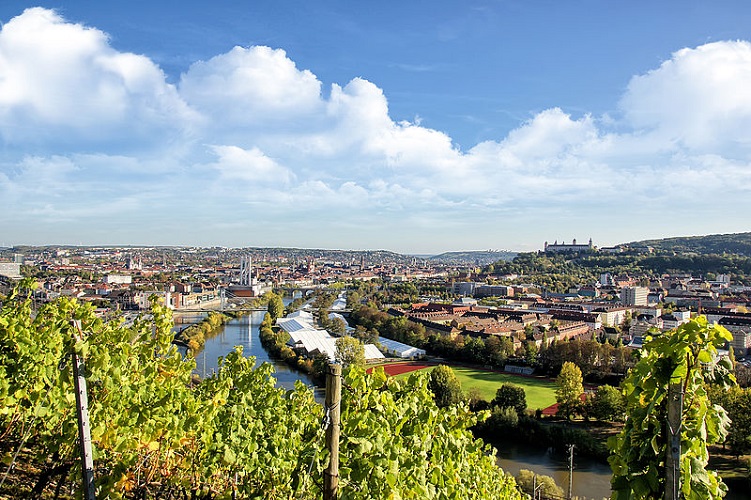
[[245, 332], [591, 478], [194, 337], [274, 340]]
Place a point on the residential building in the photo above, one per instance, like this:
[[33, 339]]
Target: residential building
[[634, 295], [10, 270], [118, 279], [740, 327], [675, 319], [494, 291]]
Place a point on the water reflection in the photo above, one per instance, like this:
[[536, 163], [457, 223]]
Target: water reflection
[[245, 332], [591, 478]]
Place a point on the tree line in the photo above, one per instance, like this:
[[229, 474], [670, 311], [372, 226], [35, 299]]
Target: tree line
[[598, 361], [558, 272]]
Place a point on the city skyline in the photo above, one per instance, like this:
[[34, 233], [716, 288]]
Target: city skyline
[[417, 128]]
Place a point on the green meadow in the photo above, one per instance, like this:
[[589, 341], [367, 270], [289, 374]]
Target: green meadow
[[540, 392]]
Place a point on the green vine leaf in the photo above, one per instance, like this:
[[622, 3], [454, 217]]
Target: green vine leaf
[[686, 356]]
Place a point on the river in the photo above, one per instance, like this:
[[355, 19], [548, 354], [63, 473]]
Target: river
[[245, 332], [591, 478]]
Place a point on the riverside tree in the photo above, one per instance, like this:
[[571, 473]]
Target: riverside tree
[[276, 306], [569, 391], [511, 396], [350, 351], [535, 484], [606, 404]]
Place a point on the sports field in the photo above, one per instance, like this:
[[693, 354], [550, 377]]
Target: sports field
[[540, 392]]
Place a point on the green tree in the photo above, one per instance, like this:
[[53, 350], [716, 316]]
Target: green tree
[[323, 300], [737, 402], [530, 352], [475, 399], [498, 349], [320, 367], [743, 375], [569, 390], [511, 396], [354, 299], [627, 320], [446, 388], [739, 437], [503, 419], [685, 357], [323, 319], [267, 322], [337, 326], [276, 306], [529, 332], [529, 480], [350, 351], [366, 336], [606, 404]]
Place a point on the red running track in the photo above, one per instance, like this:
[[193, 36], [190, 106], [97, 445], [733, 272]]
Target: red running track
[[392, 369]]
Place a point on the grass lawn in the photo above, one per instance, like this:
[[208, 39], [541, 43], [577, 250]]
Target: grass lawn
[[540, 392]]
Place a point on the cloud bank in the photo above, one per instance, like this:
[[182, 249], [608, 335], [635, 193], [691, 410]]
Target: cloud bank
[[249, 149]]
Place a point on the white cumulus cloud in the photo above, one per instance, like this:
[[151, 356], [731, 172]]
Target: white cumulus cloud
[[251, 86], [93, 134], [252, 165], [700, 99], [61, 83]]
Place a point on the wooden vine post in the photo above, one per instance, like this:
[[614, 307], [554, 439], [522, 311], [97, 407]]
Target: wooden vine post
[[333, 409], [82, 411], [673, 455], [570, 472]]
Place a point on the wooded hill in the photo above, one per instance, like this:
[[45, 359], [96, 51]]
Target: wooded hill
[[736, 243], [474, 257], [704, 256]]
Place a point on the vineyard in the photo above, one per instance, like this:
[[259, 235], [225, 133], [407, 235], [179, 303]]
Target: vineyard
[[157, 432]]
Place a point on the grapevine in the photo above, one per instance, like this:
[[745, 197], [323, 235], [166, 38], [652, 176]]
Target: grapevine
[[157, 432], [685, 356]]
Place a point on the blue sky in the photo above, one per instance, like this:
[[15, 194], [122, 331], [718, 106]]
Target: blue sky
[[414, 126]]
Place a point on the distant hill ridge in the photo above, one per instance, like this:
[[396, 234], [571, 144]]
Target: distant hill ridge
[[734, 243], [481, 257]]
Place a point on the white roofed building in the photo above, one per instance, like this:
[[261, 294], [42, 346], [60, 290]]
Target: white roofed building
[[302, 315], [309, 341], [339, 304], [372, 353], [400, 350], [292, 325]]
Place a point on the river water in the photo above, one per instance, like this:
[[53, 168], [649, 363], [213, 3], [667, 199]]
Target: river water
[[245, 332], [591, 478]]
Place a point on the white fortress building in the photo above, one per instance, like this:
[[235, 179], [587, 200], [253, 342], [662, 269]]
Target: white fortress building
[[572, 247]]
